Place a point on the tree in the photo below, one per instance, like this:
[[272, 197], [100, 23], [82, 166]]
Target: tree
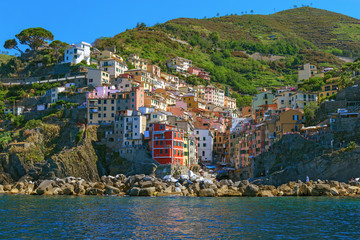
[[215, 37], [218, 14], [12, 44], [252, 11], [58, 46], [46, 60], [34, 37], [310, 113]]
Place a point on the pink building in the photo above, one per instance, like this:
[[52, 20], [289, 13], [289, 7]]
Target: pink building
[[200, 73], [102, 92], [214, 95]]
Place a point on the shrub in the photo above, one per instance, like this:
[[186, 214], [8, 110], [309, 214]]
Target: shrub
[[79, 136], [32, 124], [351, 146]]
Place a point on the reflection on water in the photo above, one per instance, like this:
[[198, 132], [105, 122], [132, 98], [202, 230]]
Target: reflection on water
[[178, 218]]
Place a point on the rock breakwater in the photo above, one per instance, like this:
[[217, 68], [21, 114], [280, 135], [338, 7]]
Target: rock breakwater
[[142, 185]]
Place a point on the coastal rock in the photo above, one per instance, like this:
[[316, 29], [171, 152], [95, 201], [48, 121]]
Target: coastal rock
[[147, 191], [251, 190], [134, 191], [168, 189], [208, 192], [146, 184], [68, 189], [58, 191], [334, 192], [45, 187], [110, 190], [94, 191], [265, 193], [323, 189], [99, 185]]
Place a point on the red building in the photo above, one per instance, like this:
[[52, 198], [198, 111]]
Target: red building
[[167, 144]]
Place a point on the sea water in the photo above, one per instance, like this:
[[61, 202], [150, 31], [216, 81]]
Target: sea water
[[87, 217]]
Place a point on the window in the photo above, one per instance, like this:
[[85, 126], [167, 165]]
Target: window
[[161, 151], [104, 108], [204, 144], [104, 115], [105, 101], [157, 143], [99, 115], [203, 153], [204, 139], [174, 152], [90, 80], [295, 117], [166, 151]]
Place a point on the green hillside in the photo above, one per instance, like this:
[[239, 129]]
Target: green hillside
[[222, 45]]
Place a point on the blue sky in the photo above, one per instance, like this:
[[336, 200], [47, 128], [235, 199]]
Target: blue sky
[[74, 21]]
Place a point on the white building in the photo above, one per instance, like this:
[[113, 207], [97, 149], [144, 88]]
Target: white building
[[129, 128], [301, 99], [97, 77], [179, 64], [18, 110], [283, 99], [54, 93], [205, 145], [75, 53], [113, 66]]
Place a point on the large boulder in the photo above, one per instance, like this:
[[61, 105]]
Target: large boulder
[[149, 191], [207, 192], [146, 184], [46, 187], [265, 193], [110, 190], [94, 191], [323, 189], [68, 189], [251, 190], [99, 185], [134, 191]]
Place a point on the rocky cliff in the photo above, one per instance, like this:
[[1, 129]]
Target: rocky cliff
[[58, 146], [294, 157]]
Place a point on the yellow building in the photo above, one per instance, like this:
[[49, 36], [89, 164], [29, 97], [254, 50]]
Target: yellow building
[[186, 150], [330, 88], [288, 122], [143, 77], [138, 62], [193, 102]]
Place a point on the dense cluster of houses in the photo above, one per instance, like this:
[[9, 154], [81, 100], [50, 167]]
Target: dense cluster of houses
[[146, 108]]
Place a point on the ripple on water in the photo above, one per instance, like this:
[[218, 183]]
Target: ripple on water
[[177, 218]]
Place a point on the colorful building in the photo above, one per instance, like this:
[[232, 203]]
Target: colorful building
[[167, 144]]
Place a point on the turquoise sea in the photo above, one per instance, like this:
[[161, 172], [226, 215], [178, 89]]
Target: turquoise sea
[[86, 217]]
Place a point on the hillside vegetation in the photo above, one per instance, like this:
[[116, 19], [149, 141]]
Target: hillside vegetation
[[222, 45]]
